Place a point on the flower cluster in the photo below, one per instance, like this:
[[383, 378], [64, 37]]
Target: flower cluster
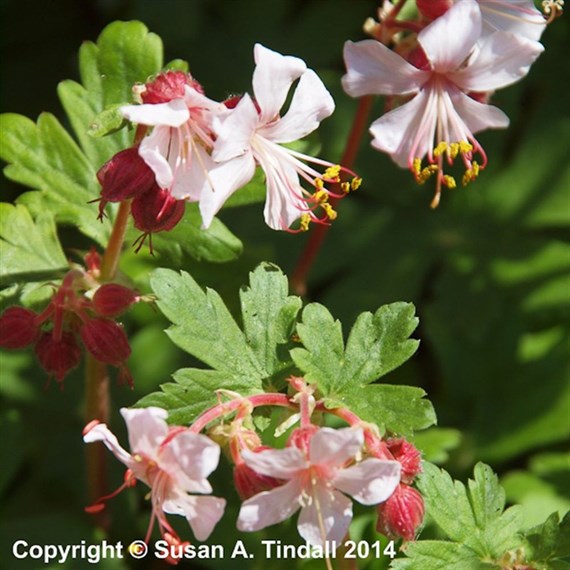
[[316, 473], [81, 312], [439, 73], [200, 150]]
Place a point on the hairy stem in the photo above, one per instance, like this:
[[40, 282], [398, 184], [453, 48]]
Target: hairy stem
[[317, 237], [112, 254]]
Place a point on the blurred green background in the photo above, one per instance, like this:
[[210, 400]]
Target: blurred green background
[[488, 270]]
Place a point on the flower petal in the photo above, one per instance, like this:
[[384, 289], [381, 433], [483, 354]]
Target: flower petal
[[478, 116], [517, 16], [370, 482], [449, 39], [374, 69], [270, 507], [281, 463], [328, 510], [154, 150], [500, 60], [147, 429], [100, 432], [192, 177], [202, 513], [311, 104], [335, 446], [273, 76], [171, 114]]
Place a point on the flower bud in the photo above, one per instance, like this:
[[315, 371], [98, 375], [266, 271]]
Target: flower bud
[[401, 514], [124, 176], [408, 455], [58, 357], [301, 438], [112, 299], [157, 211], [18, 328], [249, 483], [432, 9], [168, 86], [106, 341]]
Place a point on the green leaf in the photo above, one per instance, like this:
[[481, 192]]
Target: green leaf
[[435, 443], [269, 316], [107, 121], [377, 344], [438, 555], [550, 541], [29, 249]]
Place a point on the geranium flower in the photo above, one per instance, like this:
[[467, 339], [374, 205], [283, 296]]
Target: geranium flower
[[316, 483], [177, 148], [441, 118], [172, 462], [254, 132]]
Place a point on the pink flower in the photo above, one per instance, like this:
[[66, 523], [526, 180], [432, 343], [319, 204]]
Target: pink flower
[[173, 462], [316, 483], [441, 118], [254, 132]]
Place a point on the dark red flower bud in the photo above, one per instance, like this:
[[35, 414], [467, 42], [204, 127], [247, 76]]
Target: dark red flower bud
[[409, 457], [402, 514], [167, 86], [418, 58], [124, 176], [93, 262], [112, 299], [248, 483], [301, 438], [432, 9], [58, 357], [18, 328], [106, 341], [157, 211]]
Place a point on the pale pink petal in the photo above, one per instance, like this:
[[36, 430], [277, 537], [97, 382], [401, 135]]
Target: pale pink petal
[[221, 181], [270, 507], [500, 59], [100, 432], [154, 150], [334, 447], [517, 16], [273, 76], [374, 69], [311, 103], [147, 429], [408, 131], [328, 510], [234, 132], [370, 482], [202, 513], [281, 463], [449, 39], [478, 116], [191, 179], [172, 114], [193, 98]]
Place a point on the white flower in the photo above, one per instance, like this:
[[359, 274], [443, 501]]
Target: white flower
[[441, 118], [254, 132], [172, 462], [316, 484]]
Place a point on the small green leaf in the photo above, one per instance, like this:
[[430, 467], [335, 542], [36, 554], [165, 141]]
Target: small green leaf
[[107, 121], [177, 65], [550, 541], [29, 249], [438, 555]]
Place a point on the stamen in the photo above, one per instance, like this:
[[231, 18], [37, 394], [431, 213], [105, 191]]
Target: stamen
[[305, 220], [329, 211]]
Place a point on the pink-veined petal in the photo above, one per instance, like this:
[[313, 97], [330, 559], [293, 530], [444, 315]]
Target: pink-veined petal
[[407, 131], [270, 507], [221, 182], [273, 76], [478, 116], [202, 513], [193, 98], [517, 16], [234, 132], [370, 482], [327, 509], [334, 447], [499, 60], [311, 104], [172, 114], [191, 180], [147, 429], [281, 463], [154, 150], [100, 432], [449, 39], [374, 69]]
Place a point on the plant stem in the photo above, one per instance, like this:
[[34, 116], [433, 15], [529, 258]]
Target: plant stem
[[317, 237], [112, 254]]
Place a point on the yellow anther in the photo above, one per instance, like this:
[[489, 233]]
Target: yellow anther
[[319, 183], [453, 150], [355, 183], [345, 187], [329, 211], [426, 173], [332, 172], [440, 148], [321, 196], [304, 222], [465, 147], [417, 166], [449, 181], [475, 168], [471, 173]]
